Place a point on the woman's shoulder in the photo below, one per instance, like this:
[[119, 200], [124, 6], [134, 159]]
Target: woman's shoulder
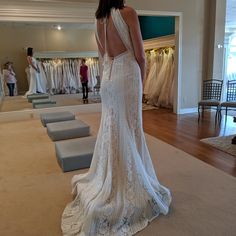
[[128, 13], [128, 10]]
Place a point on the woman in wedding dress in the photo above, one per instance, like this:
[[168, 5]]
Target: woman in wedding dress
[[120, 194], [34, 71]]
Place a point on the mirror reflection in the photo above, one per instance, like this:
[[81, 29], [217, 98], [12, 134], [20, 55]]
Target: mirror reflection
[[54, 67], [57, 64]]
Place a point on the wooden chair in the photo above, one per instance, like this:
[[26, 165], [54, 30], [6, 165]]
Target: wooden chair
[[230, 103], [211, 96]]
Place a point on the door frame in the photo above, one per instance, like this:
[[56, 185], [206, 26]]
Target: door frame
[[178, 52]]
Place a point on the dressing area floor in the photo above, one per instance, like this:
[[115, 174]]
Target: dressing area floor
[[18, 103], [34, 191]]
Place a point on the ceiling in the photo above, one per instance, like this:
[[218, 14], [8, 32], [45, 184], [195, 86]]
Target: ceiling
[[57, 1]]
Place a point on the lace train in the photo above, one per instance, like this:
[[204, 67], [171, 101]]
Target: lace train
[[120, 193]]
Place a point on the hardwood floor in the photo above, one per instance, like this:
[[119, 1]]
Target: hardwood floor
[[184, 132]]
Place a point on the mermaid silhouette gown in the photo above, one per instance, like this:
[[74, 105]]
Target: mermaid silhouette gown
[[34, 85], [120, 193]]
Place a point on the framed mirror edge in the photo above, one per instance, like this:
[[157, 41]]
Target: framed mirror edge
[[86, 10]]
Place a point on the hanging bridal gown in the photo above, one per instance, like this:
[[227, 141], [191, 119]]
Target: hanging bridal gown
[[163, 99], [42, 80], [152, 73], [157, 85], [120, 193]]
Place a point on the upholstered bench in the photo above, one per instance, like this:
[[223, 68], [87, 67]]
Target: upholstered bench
[[56, 117], [42, 101], [67, 130], [75, 154], [46, 105], [37, 96]]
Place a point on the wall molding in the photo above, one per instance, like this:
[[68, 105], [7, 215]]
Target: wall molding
[[158, 13], [160, 42], [53, 11], [64, 54]]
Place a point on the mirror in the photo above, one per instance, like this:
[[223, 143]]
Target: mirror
[[63, 48], [58, 52]]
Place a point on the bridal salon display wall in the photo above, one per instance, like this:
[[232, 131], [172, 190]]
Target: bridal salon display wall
[[62, 75]]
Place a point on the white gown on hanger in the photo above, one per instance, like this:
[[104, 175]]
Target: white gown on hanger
[[120, 193], [157, 85], [42, 80], [164, 97], [152, 75]]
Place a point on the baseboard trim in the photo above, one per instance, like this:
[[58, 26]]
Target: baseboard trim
[[188, 110]]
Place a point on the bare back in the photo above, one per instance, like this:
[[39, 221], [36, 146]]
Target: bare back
[[115, 46]]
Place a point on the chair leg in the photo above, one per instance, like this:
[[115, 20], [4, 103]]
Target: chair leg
[[220, 115], [216, 115], [198, 113], [226, 113]]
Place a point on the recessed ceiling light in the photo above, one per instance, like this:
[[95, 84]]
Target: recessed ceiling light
[[59, 27]]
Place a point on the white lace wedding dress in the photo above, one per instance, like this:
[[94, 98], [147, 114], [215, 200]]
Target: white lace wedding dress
[[34, 85], [120, 193]]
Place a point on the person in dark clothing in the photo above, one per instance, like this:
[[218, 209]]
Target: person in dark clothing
[[84, 79]]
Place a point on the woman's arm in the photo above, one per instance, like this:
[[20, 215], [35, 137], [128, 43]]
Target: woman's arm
[[131, 18], [29, 59], [12, 72]]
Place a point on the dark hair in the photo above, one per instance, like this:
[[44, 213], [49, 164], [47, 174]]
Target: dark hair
[[5, 66], [30, 52], [104, 7], [83, 60]]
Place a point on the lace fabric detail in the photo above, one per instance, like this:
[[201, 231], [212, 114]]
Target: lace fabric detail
[[120, 193]]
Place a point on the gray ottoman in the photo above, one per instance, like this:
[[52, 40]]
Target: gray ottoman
[[42, 101], [47, 105], [56, 117], [75, 154], [67, 130], [37, 96]]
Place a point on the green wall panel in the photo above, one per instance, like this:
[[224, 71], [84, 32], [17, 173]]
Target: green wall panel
[[156, 26]]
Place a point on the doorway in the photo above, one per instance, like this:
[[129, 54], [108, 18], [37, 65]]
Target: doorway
[[230, 44], [177, 53]]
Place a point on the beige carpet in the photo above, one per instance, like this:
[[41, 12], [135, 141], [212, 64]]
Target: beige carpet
[[222, 143], [34, 191]]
